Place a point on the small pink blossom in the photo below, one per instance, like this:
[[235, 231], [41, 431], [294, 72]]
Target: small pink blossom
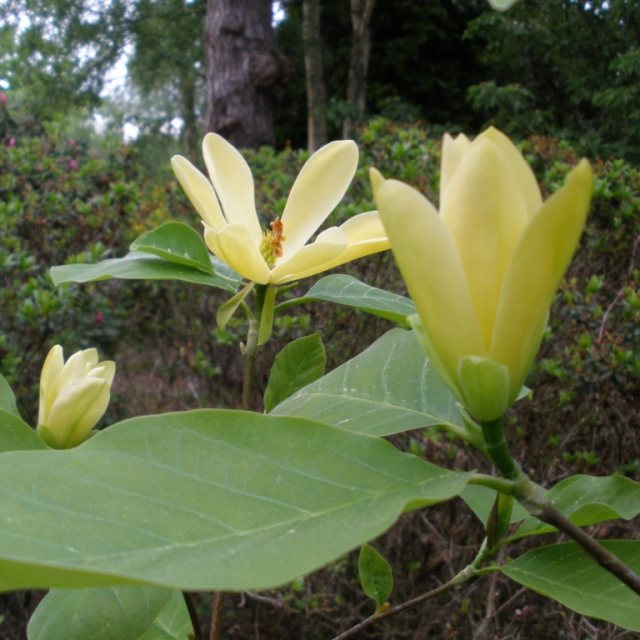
[[73, 165], [99, 318]]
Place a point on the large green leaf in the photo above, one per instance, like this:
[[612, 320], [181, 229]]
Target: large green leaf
[[138, 266], [16, 434], [7, 398], [349, 291], [567, 574], [388, 388], [203, 500], [588, 500], [175, 242], [110, 613], [297, 365]]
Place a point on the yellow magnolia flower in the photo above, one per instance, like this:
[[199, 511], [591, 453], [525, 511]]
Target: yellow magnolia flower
[[502, 5], [280, 254], [73, 396], [483, 272]]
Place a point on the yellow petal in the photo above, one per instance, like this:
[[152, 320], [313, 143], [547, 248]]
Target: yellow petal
[[232, 181], [77, 366], [433, 355], [105, 370], [76, 410], [238, 248], [537, 268], [520, 168], [317, 190], [365, 235], [312, 258], [49, 379], [453, 151], [211, 240], [199, 191], [430, 266], [485, 213], [364, 227]]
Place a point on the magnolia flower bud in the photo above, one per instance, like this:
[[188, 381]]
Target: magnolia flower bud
[[484, 269], [73, 396]]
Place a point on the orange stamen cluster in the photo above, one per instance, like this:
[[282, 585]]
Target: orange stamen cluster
[[271, 247]]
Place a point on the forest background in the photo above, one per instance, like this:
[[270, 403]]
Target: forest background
[[562, 77]]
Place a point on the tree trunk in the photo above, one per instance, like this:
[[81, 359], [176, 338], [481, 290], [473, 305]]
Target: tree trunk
[[243, 71], [190, 134], [316, 91], [361, 11]]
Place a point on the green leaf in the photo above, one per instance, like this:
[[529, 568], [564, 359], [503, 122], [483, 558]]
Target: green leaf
[[138, 266], [588, 500], [203, 500], [267, 314], [227, 309], [16, 434], [175, 242], [349, 291], [110, 613], [388, 388], [481, 499], [375, 574], [297, 365], [567, 574], [7, 398]]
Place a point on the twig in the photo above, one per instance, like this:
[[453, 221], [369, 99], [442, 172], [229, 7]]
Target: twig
[[216, 616], [482, 629], [468, 573], [600, 554]]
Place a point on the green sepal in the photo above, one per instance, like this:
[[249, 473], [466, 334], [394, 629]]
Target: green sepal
[[227, 309]]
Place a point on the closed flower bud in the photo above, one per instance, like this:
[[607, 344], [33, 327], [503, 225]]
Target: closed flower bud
[[73, 396]]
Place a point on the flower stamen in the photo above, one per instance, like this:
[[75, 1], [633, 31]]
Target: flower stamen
[[271, 245]]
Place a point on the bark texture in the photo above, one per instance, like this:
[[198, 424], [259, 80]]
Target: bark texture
[[361, 12], [316, 91], [244, 69]]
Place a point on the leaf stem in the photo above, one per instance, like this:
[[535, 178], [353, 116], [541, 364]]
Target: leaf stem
[[493, 432], [501, 485], [249, 363], [193, 615]]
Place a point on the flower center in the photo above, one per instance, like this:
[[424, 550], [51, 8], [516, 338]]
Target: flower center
[[271, 245]]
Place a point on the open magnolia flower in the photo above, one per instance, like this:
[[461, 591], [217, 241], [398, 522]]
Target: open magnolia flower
[[483, 272], [73, 396], [280, 253]]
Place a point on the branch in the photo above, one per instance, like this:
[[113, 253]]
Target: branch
[[600, 554]]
